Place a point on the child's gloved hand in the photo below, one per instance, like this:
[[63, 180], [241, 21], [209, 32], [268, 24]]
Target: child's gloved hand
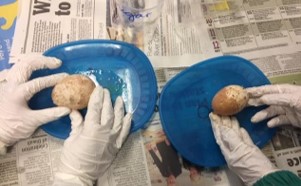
[[284, 104], [94, 142], [242, 156], [17, 120]]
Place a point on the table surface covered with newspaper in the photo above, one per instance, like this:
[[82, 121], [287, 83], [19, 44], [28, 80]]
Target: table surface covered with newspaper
[[267, 32]]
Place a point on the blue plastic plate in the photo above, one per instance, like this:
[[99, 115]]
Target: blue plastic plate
[[120, 67], [185, 104]]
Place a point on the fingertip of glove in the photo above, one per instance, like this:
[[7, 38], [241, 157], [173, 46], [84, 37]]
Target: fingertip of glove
[[58, 77], [271, 124], [119, 102], [106, 91], [75, 115], [98, 89], [97, 92], [55, 61], [74, 112], [62, 111], [213, 116], [119, 99], [254, 119], [128, 117]]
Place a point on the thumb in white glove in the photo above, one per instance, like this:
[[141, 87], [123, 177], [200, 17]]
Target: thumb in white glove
[[284, 101], [242, 156], [93, 144], [17, 120]]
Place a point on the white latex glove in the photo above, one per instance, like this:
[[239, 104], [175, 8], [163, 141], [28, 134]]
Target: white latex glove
[[17, 120], [284, 101], [242, 156], [93, 144]]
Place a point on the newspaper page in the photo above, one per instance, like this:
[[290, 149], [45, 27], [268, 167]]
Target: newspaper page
[[44, 24], [260, 25], [32, 161]]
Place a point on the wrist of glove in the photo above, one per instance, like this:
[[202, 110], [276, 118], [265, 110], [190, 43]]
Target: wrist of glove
[[93, 144], [241, 155], [284, 103], [17, 120]]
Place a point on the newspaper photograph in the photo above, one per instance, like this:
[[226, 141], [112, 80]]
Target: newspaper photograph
[[174, 170], [287, 150]]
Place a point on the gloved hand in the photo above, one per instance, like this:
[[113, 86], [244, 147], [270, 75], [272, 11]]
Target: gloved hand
[[17, 120], [242, 156], [284, 101], [93, 144]]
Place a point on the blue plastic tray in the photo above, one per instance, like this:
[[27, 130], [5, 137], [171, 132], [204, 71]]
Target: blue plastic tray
[[185, 104], [121, 67]]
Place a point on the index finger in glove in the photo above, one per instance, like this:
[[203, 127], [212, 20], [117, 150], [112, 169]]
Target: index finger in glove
[[126, 125], [246, 137], [43, 116], [107, 114], [226, 121], [271, 89], [230, 138], [21, 71], [215, 123], [218, 130], [235, 124], [119, 114], [280, 120], [76, 124], [281, 100], [95, 107], [36, 85], [269, 112]]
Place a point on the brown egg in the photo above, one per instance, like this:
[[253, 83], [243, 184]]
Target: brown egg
[[229, 100], [73, 92]]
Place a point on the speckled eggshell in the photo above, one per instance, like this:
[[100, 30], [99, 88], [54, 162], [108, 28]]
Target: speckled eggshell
[[73, 92], [230, 100]]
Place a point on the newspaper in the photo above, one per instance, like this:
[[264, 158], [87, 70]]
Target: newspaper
[[265, 32]]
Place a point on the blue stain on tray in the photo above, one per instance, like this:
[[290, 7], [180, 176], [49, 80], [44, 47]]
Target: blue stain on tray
[[108, 79]]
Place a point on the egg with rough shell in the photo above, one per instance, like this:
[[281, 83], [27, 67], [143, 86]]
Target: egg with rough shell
[[73, 91], [230, 100]]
